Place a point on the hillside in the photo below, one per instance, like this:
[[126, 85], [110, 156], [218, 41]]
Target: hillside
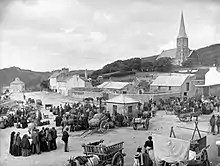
[[202, 57], [210, 55], [31, 79]]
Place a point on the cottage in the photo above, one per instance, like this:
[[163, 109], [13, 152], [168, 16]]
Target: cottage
[[17, 85], [123, 105], [212, 83], [67, 83], [117, 87], [53, 78], [174, 83]]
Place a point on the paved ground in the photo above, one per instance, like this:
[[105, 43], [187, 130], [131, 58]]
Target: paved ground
[[160, 124]]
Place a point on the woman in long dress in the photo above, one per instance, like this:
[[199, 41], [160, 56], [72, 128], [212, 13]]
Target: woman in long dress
[[11, 148], [17, 145], [25, 146]]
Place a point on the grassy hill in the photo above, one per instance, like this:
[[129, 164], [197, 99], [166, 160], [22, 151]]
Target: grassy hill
[[210, 55], [31, 79]]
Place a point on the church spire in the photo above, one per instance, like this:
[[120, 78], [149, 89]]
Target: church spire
[[182, 30]]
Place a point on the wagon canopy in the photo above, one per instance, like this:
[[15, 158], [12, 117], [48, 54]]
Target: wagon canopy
[[170, 150]]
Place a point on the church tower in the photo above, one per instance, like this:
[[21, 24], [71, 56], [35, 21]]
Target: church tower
[[182, 43]]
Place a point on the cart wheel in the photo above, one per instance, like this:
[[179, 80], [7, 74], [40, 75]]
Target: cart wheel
[[204, 155], [135, 126], [206, 163], [118, 159], [104, 126]]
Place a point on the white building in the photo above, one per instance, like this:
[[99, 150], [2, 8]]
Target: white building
[[69, 82], [212, 83], [174, 83], [17, 85]]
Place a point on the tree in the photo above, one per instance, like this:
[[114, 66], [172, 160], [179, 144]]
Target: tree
[[45, 84], [143, 84], [163, 64]]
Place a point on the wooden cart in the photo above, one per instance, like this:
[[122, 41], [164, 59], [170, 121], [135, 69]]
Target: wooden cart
[[112, 154]]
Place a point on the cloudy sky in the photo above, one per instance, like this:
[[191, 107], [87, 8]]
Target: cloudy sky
[[50, 34]]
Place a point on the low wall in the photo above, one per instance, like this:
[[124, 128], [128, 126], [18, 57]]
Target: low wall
[[84, 94], [146, 97]]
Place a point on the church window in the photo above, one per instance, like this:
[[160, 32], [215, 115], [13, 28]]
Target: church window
[[187, 86]]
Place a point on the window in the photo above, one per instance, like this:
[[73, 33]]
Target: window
[[129, 109], [187, 86], [169, 87], [124, 92], [185, 93], [158, 87]]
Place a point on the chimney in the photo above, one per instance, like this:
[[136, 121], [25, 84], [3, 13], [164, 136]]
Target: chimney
[[86, 76]]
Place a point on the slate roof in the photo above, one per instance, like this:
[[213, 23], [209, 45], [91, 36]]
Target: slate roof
[[55, 74], [168, 53], [173, 80], [122, 99], [113, 85]]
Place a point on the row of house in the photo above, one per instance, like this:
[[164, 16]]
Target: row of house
[[186, 84], [63, 81]]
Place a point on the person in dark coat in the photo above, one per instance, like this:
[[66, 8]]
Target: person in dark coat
[[35, 142], [17, 145], [65, 138], [25, 146], [49, 139], [149, 143], [54, 137], [43, 141], [212, 124], [11, 147], [218, 124], [146, 159]]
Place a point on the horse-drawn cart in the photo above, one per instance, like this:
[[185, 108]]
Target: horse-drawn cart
[[98, 154], [142, 121]]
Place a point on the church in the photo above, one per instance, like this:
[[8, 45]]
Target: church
[[181, 53]]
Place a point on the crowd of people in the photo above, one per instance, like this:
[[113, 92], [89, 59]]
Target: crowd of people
[[36, 142]]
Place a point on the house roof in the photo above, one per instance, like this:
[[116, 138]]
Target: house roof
[[113, 85], [55, 74], [173, 80], [17, 81], [122, 99], [168, 53]]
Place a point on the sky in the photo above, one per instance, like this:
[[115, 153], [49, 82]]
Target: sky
[[45, 35]]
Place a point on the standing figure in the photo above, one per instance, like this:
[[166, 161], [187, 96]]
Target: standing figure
[[11, 147], [25, 146], [35, 142], [212, 124], [54, 137], [138, 160], [218, 124], [17, 145], [65, 138]]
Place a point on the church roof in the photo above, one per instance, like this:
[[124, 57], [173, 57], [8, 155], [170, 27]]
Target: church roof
[[168, 53], [182, 30]]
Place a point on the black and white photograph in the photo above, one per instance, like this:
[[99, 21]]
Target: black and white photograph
[[109, 82]]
